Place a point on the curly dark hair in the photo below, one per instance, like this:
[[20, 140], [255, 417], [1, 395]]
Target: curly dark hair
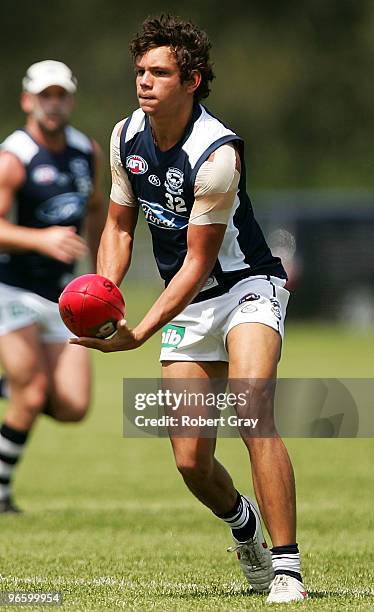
[[190, 44]]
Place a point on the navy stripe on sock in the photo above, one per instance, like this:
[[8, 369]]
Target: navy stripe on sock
[[234, 510], [8, 460], [288, 573], [14, 435], [288, 549]]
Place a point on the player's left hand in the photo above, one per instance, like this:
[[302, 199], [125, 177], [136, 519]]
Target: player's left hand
[[123, 340]]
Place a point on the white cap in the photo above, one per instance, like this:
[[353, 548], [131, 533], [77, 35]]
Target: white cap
[[49, 72]]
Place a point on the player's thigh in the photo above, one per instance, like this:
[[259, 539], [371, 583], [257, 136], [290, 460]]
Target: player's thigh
[[21, 355], [193, 379], [194, 370], [69, 371], [254, 351]]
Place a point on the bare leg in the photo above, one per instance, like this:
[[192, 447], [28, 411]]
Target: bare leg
[[205, 477], [23, 360], [254, 350], [55, 373], [69, 374]]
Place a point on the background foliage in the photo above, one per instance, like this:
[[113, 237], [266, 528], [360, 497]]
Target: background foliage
[[293, 78]]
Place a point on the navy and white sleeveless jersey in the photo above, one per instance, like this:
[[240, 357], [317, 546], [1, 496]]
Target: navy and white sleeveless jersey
[[55, 192], [163, 185]]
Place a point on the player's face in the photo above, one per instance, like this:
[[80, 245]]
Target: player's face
[[51, 108], [158, 84]]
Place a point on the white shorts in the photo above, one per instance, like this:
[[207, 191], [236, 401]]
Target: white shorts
[[199, 332], [20, 308]]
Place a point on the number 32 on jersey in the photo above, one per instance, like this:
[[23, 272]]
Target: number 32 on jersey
[[175, 203]]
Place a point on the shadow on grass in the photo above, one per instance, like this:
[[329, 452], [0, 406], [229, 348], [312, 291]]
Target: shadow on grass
[[248, 593], [208, 594]]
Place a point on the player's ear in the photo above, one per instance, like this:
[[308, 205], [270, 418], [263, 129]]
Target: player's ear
[[26, 102], [194, 81]]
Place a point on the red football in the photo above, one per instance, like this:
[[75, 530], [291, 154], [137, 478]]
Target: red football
[[91, 305]]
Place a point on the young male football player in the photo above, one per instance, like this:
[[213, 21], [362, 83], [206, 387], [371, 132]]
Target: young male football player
[[224, 291], [49, 173]]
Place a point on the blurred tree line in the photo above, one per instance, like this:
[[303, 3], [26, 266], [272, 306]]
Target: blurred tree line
[[294, 78]]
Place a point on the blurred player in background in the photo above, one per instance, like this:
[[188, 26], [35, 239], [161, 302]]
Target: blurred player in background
[[224, 303], [49, 173]]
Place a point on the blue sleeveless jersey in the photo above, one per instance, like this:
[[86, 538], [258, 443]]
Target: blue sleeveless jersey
[[163, 184], [55, 192]]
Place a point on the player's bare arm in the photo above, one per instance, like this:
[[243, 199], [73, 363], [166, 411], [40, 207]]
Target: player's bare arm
[[203, 246], [61, 243], [115, 250], [208, 326], [116, 243], [215, 189], [96, 209]]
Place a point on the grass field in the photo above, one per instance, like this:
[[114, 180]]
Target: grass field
[[109, 523]]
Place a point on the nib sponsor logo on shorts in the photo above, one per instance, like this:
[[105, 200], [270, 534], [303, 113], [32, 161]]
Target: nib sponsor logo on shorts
[[172, 336]]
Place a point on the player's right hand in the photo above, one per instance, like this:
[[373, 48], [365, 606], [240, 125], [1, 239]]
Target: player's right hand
[[124, 340], [62, 243]]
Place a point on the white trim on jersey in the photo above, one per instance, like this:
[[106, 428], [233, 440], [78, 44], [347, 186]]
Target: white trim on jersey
[[121, 190], [230, 256], [206, 130], [21, 145], [78, 140], [136, 125]]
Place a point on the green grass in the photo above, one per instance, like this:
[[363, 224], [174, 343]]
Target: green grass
[[109, 523]]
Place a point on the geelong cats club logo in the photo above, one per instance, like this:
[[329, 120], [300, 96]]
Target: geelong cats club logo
[[174, 181], [136, 164]]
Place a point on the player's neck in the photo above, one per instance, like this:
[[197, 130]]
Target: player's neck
[[167, 131], [53, 141]]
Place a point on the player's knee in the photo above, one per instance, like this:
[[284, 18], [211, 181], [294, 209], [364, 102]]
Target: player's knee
[[257, 391], [34, 393], [78, 413], [257, 446], [259, 405], [193, 468], [71, 411]]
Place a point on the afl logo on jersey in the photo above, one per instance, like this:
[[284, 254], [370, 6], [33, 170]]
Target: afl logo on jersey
[[44, 175], [136, 164]]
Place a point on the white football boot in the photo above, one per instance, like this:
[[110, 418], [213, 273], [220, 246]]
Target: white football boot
[[255, 557], [285, 589]]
